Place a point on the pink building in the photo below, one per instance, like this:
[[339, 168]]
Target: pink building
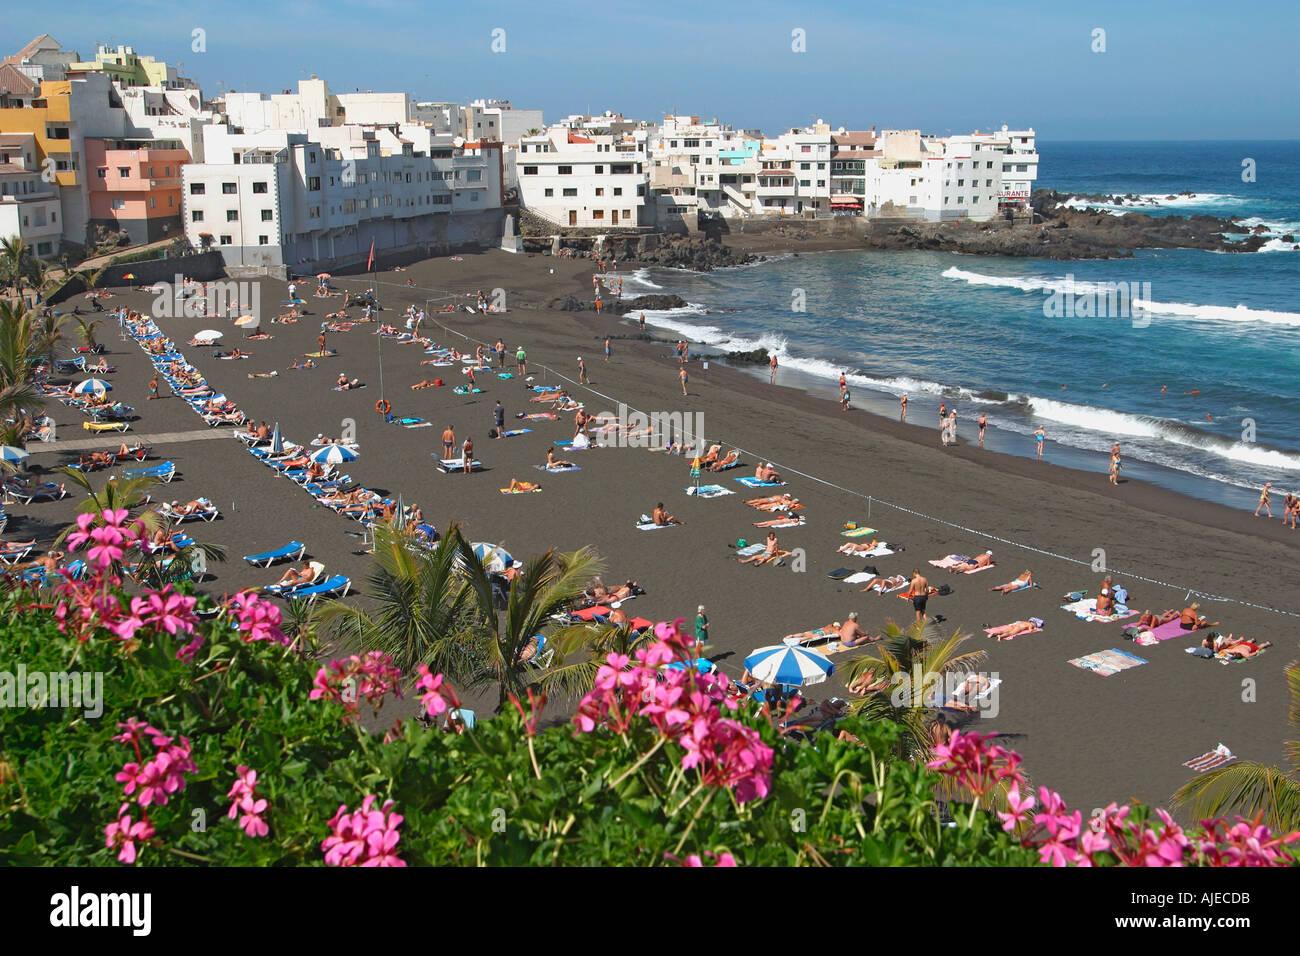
[[135, 186]]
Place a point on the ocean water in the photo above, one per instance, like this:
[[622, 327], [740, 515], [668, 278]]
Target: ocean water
[[1015, 339]]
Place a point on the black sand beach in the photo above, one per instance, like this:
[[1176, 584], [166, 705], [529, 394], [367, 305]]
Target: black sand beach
[[1096, 739]]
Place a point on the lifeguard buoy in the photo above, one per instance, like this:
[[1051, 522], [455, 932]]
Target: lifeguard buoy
[[383, 406]]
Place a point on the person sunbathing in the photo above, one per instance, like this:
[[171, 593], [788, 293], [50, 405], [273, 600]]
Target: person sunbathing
[[1105, 603], [517, 485], [971, 688], [731, 458], [161, 540], [353, 383], [775, 503], [1008, 631], [826, 712], [857, 548], [851, 634], [1150, 620], [984, 560], [1189, 620], [1025, 580], [553, 462], [711, 455], [783, 522], [1236, 647], [600, 594], [765, 472], [47, 562], [190, 507], [885, 585], [423, 383], [297, 578], [771, 551], [662, 517], [97, 459]]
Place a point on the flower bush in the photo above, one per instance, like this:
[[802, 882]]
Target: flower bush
[[657, 766]]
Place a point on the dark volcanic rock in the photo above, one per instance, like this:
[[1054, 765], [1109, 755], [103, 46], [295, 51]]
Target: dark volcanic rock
[[699, 255], [757, 356], [571, 303]]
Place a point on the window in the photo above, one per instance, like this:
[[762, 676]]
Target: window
[[599, 170], [598, 214], [196, 215], [266, 215], [313, 183], [311, 156], [570, 191], [961, 200], [530, 170], [474, 195], [443, 200], [988, 165], [171, 201], [1022, 167], [474, 175], [43, 248], [549, 191], [821, 184], [988, 182], [197, 189], [805, 149], [225, 240], [805, 166], [228, 189], [565, 170], [102, 172], [232, 215], [961, 182], [600, 191], [618, 190], [263, 241], [119, 203], [259, 187], [153, 202], [805, 183]]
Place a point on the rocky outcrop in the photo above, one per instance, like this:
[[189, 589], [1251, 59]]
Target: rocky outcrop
[[642, 303], [699, 255], [1064, 232]]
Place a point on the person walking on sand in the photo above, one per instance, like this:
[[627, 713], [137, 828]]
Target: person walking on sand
[[920, 591], [1114, 468], [1263, 500], [844, 398], [1039, 436], [771, 366], [607, 348], [902, 407], [641, 323], [681, 376], [952, 427], [153, 388], [499, 418], [582, 372], [983, 424], [701, 627], [320, 343], [500, 349], [467, 455], [521, 361], [448, 442]]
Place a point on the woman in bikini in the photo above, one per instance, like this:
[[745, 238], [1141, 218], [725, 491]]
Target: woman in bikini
[[517, 485], [1150, 620], [858, 548], [1025, 580], [553, 462], [1008, 631]]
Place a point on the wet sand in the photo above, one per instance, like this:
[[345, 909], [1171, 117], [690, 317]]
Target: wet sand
[[1095, 739]]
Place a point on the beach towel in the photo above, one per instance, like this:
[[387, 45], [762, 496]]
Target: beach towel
[[751, 482], [879, 551], [907, 595], [449, 465], [1162, 632], [515, 431], [950, 561], [591, 613], [505, 375], [992, 632], [556, 470], [519, 491], [858, 532], [413, 423], [327, 354], [543, 388], [960, 699], [348, 388], [1085, 610], [859, 577], [466, 390], [1107, 663], [1211, 759], [541, 417], [709, 491], [750, 550], [887, 585], [651, 526], [791, 522]]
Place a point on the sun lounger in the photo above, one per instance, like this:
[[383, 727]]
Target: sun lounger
[[11, 552], [27, 493], [209, 512], [1211, 759], [750, 481], [961, 700], [709, 491], [338, 586], [820, 634], [106, 426], [449, 465], [726, 463], [291, 551], [164, 472]]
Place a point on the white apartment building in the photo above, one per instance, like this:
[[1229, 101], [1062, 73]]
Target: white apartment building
[[794, 174], [704, 168], [972, 178], [1019, 164], [29, 206], [439, 117], [313, 107], [498, 120], [589, 181], [301, 200]]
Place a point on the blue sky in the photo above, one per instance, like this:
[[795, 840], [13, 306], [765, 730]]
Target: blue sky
[[1170, 70]]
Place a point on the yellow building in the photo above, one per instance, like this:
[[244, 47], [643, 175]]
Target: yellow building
[[48, 119], [127, 68]]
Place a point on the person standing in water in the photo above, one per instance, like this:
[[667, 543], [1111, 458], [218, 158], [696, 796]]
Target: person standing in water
[[902, 407], [771, 365], [983, 423], [1263, 499], [1039, 436]]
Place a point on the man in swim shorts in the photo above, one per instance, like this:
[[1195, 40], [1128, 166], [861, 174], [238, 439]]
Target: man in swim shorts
[[920, 588]]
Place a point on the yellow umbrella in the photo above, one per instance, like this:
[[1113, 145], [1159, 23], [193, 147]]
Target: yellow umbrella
[[246, 320]]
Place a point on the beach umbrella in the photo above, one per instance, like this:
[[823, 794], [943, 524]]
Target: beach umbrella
[[703, 665], [333, 455], [792, 666], [92, 386], [277, 441], [128, 275], [246, 320], [13, 456], [494, 557], [207, 335]]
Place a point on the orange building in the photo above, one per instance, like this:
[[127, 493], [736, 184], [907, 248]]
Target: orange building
[[135, 186]]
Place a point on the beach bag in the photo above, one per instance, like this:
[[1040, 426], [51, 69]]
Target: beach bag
[[492, 433], [943, 589], [438, 382]]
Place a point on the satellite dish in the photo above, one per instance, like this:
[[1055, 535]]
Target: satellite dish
[[458, 142]]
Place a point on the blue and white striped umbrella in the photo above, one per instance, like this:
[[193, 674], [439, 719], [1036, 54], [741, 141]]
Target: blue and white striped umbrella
[[493, 556], [92, 386], [333, 455], [792, 666], [12, 455], [277, 441]]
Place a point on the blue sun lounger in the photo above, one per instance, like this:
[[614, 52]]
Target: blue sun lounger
[[291, 551], [164, 472], [338, 585]]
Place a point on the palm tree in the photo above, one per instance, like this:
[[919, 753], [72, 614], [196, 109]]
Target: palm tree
[[20, 345], [86, 330], [423, 606], [117, 493], [895, 681], [545, 588], [1250, 788], [14, 256]]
